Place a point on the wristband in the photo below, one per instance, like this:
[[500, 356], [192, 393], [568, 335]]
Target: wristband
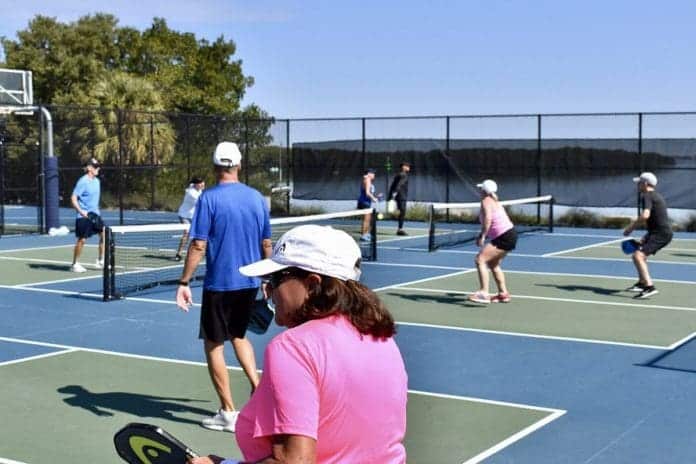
[[183, 283]]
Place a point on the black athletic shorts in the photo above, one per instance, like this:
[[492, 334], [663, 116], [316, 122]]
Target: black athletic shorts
[[86, 227], [225, 315], [507, 241], [362, 205], [655, 241]]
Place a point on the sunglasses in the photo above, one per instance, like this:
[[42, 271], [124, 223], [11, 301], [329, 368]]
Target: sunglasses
[[274, 280]]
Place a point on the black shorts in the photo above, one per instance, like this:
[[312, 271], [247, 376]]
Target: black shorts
[[85, 228], [362, 205], [225, 315], [655, 241], [507, 241]]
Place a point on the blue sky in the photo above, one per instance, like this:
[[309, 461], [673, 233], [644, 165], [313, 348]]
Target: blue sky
[[394, 58]]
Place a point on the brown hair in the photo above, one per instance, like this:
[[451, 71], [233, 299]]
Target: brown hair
[[358, 303]]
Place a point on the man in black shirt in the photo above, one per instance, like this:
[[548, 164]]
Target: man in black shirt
[[654, 213], [399, 192]]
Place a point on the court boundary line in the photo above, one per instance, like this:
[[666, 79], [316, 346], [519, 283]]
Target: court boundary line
[[38, 356], [585, 247], [565, 300], [553, 412]]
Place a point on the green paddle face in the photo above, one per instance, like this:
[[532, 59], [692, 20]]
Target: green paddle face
[[149, 444]]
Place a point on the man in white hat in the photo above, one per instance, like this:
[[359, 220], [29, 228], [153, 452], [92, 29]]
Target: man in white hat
[[231, 226], [654, 214]]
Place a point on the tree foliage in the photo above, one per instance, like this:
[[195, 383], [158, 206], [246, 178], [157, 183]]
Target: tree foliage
[[192, 75]]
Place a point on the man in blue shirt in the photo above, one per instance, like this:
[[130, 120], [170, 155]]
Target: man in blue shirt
[[85, 200], [231, 226]]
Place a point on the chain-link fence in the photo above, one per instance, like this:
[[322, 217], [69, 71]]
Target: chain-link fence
[[584, 160]]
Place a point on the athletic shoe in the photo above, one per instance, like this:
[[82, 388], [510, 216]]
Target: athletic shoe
[[479, 297], [222, 421], [99, 263], [647, 292], [366, 238], [77, 267], [177, 257], [637, 287], [401, 232], [501, 298]]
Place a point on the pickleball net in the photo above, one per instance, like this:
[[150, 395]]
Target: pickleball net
[[141, 257], [452, 224]]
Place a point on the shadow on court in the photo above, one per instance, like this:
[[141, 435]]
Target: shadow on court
[[584, 288], [681, 358], [449, 299], [50, 267], [110, 403]]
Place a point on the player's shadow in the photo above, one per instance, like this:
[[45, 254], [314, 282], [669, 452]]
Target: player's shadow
[[50, 267], [583, 288], [684, 255], [451, 299], [108, 403]]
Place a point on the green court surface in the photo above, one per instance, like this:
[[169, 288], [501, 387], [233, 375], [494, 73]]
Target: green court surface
[[19, 267], [66, 408], [559, 305], [678, 251]]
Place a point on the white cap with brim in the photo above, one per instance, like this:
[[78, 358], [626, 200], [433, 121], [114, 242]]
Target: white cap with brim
[[319, 249], [647, 177], [227, 154], [488, 186]]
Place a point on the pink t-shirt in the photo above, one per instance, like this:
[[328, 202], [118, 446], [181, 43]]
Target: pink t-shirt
[[325, 380], [500, 222]]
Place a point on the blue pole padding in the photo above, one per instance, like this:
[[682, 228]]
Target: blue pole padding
[[52, 199]]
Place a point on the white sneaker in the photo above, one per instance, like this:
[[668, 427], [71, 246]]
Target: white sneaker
[[99, 264], [222, 421], [77, 267]]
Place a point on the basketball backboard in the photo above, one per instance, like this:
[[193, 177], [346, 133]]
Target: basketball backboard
[[16, 87]]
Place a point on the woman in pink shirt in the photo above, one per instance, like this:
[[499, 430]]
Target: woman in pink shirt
[[334, 385], [496, 226]]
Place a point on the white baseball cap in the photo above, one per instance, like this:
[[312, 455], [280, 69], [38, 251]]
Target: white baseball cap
[[647, 177], [227, 154], [320, 249], [489, 186]]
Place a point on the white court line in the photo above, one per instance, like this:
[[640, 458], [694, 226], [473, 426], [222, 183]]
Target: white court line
[[556, 253], [42, 260], [534, 336], [10, 461], [418, 281], [15, 250], [422, 266], [667, 248], [565, 300], [59, 281], [38, 356], [598, 276]]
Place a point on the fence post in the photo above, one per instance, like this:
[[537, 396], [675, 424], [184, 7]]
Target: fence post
[[153, 173], [641, 160], [539, 165], [290, 164], [119, 164]]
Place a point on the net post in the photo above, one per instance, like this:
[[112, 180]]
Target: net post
[[108, 263], [373, 234], [431, 228], [551, 202]]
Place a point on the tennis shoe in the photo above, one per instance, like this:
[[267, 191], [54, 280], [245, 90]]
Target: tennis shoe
[[401, 232], [222, 421], [501, 298], [77, 267], [637, 287], [177, 257], [99, 263], [480, 297], [366, 238], [647, 292]]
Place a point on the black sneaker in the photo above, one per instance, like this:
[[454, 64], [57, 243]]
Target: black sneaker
[[647, 292], [401, 232], [637, 287], [177, 257]]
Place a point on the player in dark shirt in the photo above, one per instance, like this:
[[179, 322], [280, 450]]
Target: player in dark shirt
[[654, 214], [399, 192]]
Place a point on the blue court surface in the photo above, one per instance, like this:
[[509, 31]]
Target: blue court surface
[[572, 370]]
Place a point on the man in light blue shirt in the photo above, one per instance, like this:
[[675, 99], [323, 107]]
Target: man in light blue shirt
[[231, 226], [85, 200]]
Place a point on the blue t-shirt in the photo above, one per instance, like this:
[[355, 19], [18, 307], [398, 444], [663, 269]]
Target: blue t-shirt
[[87, 191], [233, 219]]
